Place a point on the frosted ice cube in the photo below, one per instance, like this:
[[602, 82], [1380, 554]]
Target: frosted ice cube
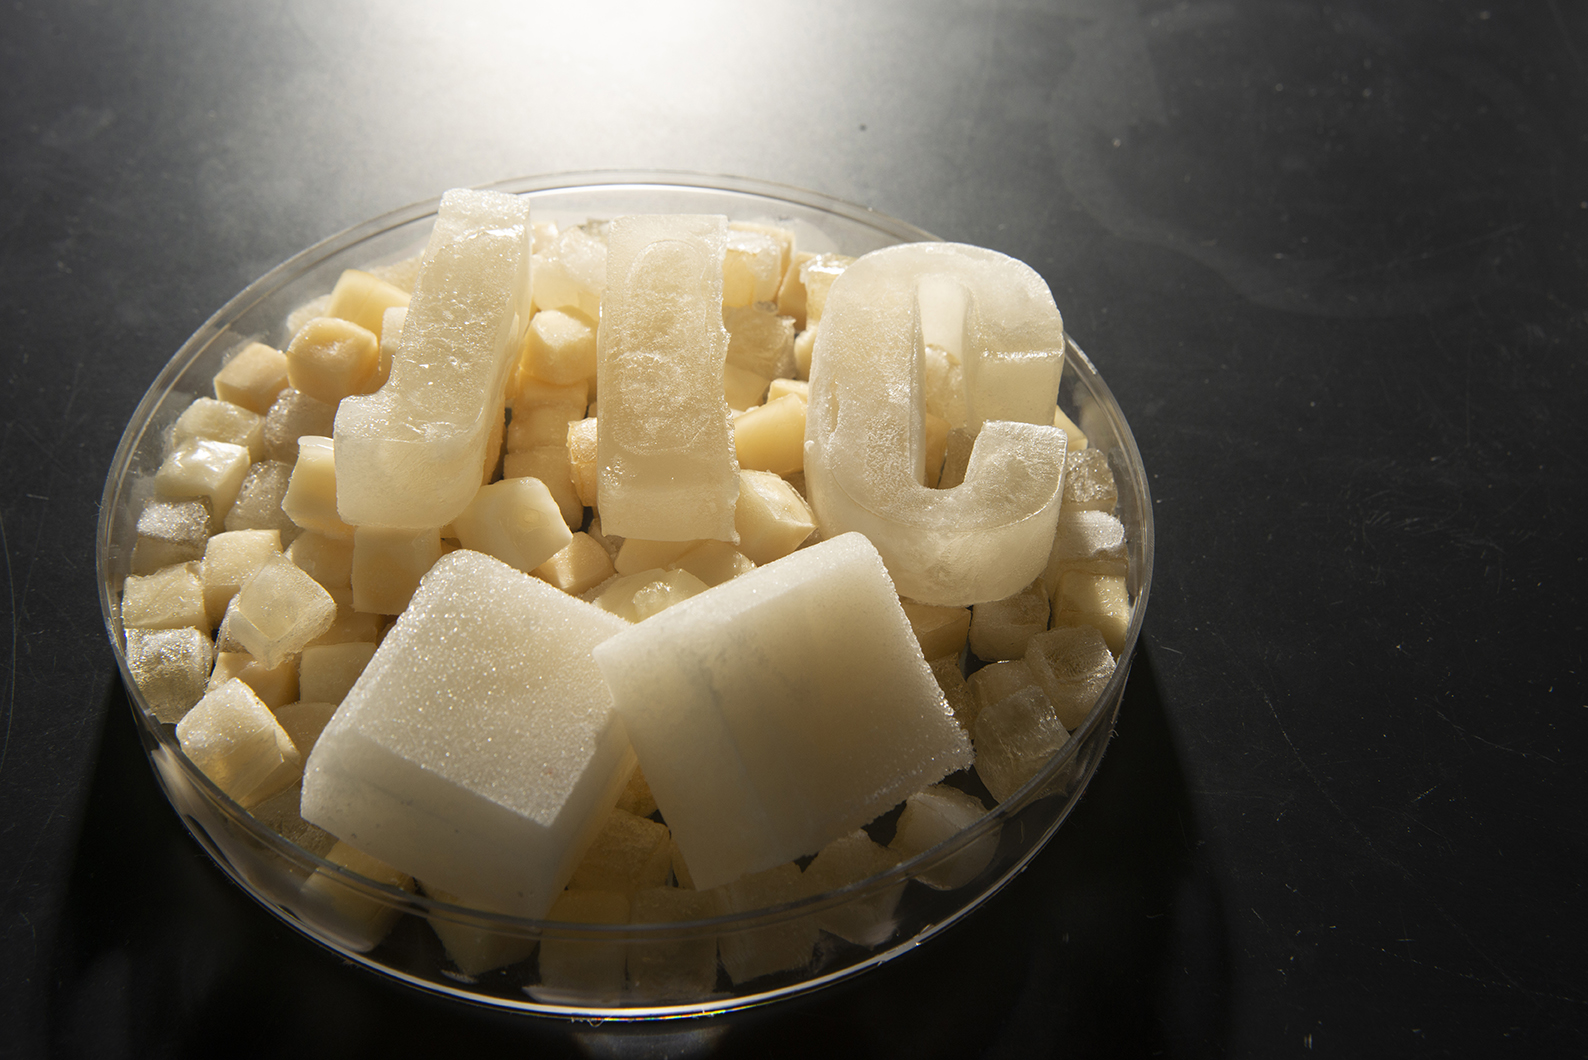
[[279, 610], [170, 598], [1089, 482], [848, 860], [1087, 541], [171, 667], [235, 741], [230, 559], [784, 946], [999, 629], [479, 750], [1016, 737], [583, 969], [293, 415], [1072, 664], [782, 709], [935, 815], [258, 505], [628, 854], [357, 919], [170, 532]]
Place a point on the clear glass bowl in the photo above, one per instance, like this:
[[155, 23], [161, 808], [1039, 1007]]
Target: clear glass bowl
[[556, 968]]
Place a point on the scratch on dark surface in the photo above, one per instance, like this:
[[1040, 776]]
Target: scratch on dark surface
[[1497, 746], [11, 678]]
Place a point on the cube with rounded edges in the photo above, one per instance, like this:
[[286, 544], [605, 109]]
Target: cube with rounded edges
[[517, 521], [781, 709]]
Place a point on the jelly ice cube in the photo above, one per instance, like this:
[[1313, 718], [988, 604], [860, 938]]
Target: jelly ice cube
[[279, 610], [170, 598], [258, 505], [935, 815], [865, 438], [409, 455], [170, 532], [681, 969], [848, 860], [479, 750], [782, 946], [999, 629], [781, 709], [516, 520], [583, 969], [235, 741], [294, 415], [1015, 737], [1072, 664], [667, 470], [171, 668]]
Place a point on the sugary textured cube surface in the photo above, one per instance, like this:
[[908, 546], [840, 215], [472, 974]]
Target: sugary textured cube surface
[[781, 709], [479, 750], [682, 969], [848, 860], [235, 741], [409, 455], [667, 469], [171, 668], [1000, 679], [780, 947], [1086, 541], [578, 969], [999, 629], [1089, 482], [937, 814], [170, 598], [170, 532], [1072, 664], [259, 500], [279, 610], [865, 441], [1015, 737]]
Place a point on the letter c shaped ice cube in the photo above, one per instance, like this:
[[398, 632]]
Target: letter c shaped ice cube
[[864, 436]]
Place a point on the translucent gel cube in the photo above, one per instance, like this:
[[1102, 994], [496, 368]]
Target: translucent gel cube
[[778, 947], [628, 854], [1015, 737], [170, 532], [847, 860], [171, 668], [683, 969], [935, 815], [580, 970], [999, 629], [235, 741], [279, 610]]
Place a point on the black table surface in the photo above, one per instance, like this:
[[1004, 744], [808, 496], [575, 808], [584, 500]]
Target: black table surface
[[1331, 259]]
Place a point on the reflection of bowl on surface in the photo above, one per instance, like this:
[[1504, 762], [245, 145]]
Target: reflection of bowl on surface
[[549, 967]]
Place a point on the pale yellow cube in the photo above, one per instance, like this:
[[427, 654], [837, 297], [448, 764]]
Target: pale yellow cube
[[1100, 600], [278, 611], [232, 737], [936, 814], [1077, 437], [276, 686], [782, 947], [629, 853], [759, 340], [637, 597], [550, 464], [170, 598], [330, 358], [752, 267], [310, 500], [200, 467], [328, 560], [327, 671], [791, 292], [220, 421], [230, 559], [356, 918], [528, 391], [473, 947], [817, 276], [741, 388], [538, 425], [637, 554], [779, 387], [582, 465], [771, 517], [713, 562], [942, 631], [387, 566], [516, 520], [583, 969], [783, 237], [560, 346], [672, 969], [303, 721], [771, 437], [365, 299], [1088, 482], [253, 377], [579, 567], [350, 625]]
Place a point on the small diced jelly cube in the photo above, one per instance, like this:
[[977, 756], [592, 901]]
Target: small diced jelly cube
[[472, 947], [941, 630], [999, 629], [713, 562], [637, 554], [682, 969], [1000, 679], [1015, 738], [171, 668], [1077, 437], [357, 919], [279, 813], [791, 291], [1073, 665], [579, 567], [516, 520], [847, 860], [583, 969], [230, 559], [202, 468], [772, 519], [956, 690], [1089, 482], [328, 560], [253, 377], [637, 798], [549, 464], [628, 854], [304, 720], [327, 671], [816, 276], [1088, 541], [258, 504], [538, 425], [637, 597], [235, 741], [330, 358], [387, 566], [220, 421], [294, 415], [582, 466], [279, 610], [570, 270], [760, 341], [276, 686], [780, 947], [771, 437], [1101, 600], [170, 532], [778, 387], [170, 598], [560, 346], [937, 814], [752, 267], [310, 499], [742, 389], [364, 299]]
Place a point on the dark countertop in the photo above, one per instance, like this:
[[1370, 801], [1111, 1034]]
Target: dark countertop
[[1331, 258]]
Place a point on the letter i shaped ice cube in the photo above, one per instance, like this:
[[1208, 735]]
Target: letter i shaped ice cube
[[667, 466]]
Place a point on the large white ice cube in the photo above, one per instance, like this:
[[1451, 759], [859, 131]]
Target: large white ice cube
[[667, 469], [865, 443], [478, 751], [409, 455], [781, 709]]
